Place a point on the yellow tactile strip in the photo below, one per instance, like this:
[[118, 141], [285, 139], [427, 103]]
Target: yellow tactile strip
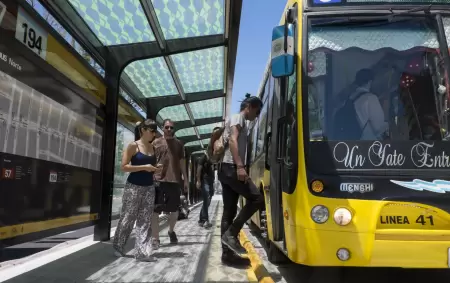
[[257, 272]]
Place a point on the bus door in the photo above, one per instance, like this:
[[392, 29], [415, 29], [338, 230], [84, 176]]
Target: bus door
[[287, 142], [276, 161], [283, 177]]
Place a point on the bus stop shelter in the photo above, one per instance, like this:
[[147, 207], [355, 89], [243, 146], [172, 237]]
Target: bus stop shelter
[[175, 58]]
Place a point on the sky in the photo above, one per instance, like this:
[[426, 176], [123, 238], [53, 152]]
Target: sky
[[255, 36]]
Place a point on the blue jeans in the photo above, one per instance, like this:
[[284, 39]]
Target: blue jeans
[[206, 195]]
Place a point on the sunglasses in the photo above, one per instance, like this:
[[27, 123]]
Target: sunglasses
[[168, 127]]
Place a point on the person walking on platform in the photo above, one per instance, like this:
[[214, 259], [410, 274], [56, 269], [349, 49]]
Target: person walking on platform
[[204, 183], [169, 152], [235, 180], [139, 193]]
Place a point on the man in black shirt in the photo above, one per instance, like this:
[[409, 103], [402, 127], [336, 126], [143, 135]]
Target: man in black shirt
[[205, 182]]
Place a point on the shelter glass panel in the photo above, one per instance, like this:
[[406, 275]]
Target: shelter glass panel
[[152, 77], [192, 143], [181, 18], [207, 108], [185, 132], [115, 22], [200, 70], [175, 113], [123, 138], [207, 129]]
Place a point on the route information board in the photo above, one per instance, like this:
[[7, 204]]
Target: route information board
[[33, 125]]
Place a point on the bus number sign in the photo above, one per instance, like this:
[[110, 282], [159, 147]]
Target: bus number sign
[[398, 219], [7, 173], [30, 34]]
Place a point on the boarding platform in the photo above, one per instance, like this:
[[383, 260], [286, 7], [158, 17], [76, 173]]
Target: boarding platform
[[196, 258]]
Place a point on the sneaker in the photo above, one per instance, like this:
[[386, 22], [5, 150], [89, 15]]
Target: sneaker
[[201, 223], [156, 244], [233, 243], [232, 259], [207, 224], [173, 237], [118, 252]]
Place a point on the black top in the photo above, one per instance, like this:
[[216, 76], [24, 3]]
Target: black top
[[207, 173], [141, 178]]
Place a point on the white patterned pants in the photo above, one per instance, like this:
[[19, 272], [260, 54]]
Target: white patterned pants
[[137, 205]]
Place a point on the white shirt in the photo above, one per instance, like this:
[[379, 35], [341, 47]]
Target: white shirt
[[236, 119], [370, 116]]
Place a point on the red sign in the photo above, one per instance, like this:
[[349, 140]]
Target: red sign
[[8, 173]]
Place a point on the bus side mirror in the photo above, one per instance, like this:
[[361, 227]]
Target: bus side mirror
[[282, 54]]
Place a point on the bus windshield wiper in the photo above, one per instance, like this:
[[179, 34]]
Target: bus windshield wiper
[[425, 9], [367, 20], [354, 20]]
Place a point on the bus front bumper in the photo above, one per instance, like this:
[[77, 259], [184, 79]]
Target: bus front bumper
[[428, 249]]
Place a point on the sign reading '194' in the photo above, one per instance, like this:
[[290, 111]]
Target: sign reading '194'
[[31, 34]]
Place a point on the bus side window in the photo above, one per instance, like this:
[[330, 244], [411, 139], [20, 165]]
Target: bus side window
[[268, 140], [290, 178]]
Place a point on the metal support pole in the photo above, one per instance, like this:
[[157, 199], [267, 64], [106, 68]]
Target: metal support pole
[[186, 166], [192, 195], [102, 228]]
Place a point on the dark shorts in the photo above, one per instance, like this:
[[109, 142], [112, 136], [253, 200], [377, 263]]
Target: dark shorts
[[172, 194]]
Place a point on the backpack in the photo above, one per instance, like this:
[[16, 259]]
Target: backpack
[[215, 154], [183, 209], [346, 125]]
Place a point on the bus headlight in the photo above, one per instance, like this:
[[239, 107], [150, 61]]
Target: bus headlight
[[342, 216], [319, 214], [343, 254]]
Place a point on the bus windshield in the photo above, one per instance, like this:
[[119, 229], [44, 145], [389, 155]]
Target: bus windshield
[[383, 81]]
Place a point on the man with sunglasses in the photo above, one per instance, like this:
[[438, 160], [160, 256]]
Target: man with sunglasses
[[170, 152]]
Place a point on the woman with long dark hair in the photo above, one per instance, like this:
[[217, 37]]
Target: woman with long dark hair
[[211, 152], [138, 199]]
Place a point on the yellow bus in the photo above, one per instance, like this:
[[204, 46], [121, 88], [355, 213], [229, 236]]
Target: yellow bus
[[351, 148]]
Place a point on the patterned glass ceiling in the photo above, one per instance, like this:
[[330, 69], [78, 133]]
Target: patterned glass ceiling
[[200, 70], [175, 113], [115, 22], [184, 18], [192, 143], [185, 73], [207, 108], [152, 77], [206, 129], [185, 132]]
